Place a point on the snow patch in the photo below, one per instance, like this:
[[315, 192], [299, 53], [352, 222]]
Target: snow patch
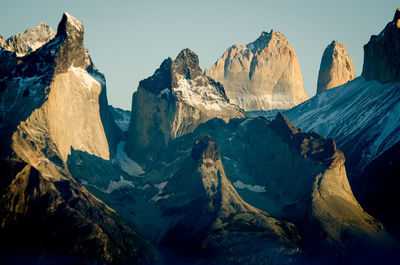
[[116, 185], [254, 188], [165, 91], [353, 114], [143, 187], [160, 188], [206, 96], [83, 182], [87, 80], [129, 166]]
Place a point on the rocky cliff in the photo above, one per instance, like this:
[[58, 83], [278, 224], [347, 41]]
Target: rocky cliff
[[52, 103], [262, 75], [172, 103], [274, 166], [336, 67], [363, 116], [204, 215], [381, 54]]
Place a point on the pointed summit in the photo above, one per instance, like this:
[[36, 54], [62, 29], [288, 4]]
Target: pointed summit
[[336, 67], [70, 26], [187, 64], [172, 103], [203, 205], [32, 39], [262, 42], [397, 16], [72, 51], [205, 148], [381, 54]]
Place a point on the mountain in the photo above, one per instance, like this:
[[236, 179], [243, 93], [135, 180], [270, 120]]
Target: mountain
[[32, 39], [381, 53], [269, 170], [336, 68], [261, 75], [363, 116], [54, 103], [194, 180], [173, 102], [299, 177], [19, 45], [207, 218], [121, 117]]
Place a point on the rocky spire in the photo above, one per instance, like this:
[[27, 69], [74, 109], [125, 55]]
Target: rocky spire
[[72, 51], [336, 67], [187, 64], [71, 27], [397, 18], [263, 75], [262, 42], [382, 53], [172, 103], [204, 147]]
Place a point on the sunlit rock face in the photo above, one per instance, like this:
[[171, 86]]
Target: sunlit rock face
[[336, 68], [53, 101], [172, 103], [262, 75], [382, 52]]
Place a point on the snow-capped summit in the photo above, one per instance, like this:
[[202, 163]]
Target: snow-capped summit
[[24, 43], [172, 103], [263, 75]]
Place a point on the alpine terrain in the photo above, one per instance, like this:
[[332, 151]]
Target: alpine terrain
[[261, 75], [363, 116], [187, 176], [336, 67], [45, 214]]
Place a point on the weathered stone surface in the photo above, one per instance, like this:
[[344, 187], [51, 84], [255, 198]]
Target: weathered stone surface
[[382, 53], [262, 75], [172, 103], [54, 102], [203, 213], [336, 67]]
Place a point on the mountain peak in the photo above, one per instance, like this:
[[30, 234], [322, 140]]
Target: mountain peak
[[284, 126], [32, 39], [336, 67], [205, 148], [381, 53], [187, 64], [397, 16], [262, 42], [70, 26]]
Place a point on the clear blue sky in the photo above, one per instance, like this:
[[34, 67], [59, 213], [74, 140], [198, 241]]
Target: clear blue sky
[[128, 39]]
